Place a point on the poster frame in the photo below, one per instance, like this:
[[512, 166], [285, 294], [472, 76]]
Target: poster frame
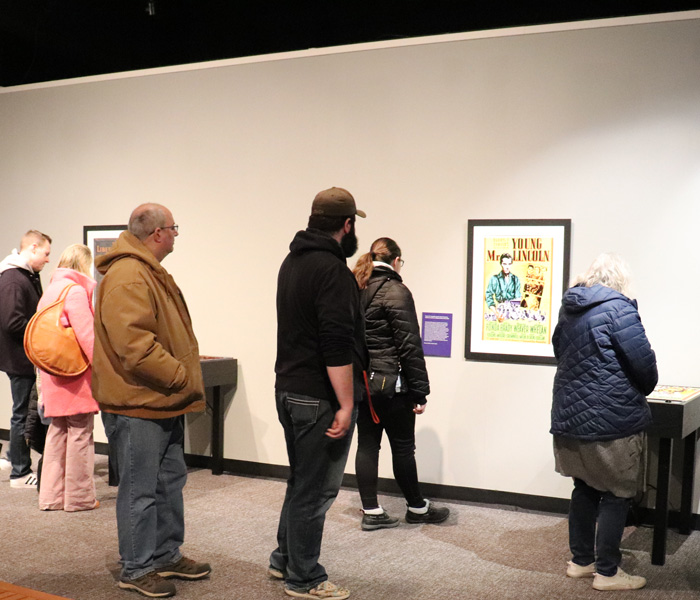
[[561, 230], [92, 232]]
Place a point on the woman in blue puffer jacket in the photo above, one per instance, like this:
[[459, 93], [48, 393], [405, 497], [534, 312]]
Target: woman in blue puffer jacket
[[605, 370]]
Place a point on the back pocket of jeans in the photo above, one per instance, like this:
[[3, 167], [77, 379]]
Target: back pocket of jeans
[[302, 411]]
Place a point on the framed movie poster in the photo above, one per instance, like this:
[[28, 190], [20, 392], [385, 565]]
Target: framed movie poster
[[100, 238], [517, 271]]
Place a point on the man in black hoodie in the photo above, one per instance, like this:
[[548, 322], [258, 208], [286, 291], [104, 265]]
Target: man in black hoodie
[[321, 354]]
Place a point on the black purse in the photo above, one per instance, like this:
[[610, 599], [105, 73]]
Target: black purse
[[384, 384]]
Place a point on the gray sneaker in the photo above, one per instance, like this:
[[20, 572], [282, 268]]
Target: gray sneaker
[[383, 521], [150, 585], [434, 515]]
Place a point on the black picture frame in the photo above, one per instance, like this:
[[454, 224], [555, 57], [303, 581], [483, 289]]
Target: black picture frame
[[517, 329], [99, 238]]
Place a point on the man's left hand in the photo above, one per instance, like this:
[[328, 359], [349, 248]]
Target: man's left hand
[[341, 424]]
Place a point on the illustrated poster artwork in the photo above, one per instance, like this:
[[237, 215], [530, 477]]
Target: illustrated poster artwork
[[101, 246], [518, 284], [517, 271]]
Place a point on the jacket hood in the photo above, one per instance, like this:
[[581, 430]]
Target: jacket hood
[[15, 261], [314, 239], [65, 275], [581, 298], [127, 245]]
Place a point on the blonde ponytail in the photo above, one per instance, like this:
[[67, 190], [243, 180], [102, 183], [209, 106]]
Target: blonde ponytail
[[363, 270]]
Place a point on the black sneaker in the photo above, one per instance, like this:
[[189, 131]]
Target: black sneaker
[[149, 585], [435, 514], [185, 568], [383, 521]]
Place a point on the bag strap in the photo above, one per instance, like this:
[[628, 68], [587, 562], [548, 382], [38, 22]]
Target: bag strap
[[379, 287], [375, 417], [64, 293]]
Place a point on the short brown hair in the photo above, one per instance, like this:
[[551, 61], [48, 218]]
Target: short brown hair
[[33, 237]]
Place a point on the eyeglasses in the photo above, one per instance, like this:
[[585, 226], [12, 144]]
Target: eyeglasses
[[401, 261], [173, 227]]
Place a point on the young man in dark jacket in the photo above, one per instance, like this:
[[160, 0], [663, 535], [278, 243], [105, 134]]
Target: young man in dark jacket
[[20, 290], [321, 354]]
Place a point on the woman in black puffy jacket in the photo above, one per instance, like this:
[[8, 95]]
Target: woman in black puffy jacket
[[605, 370], [398, 382]]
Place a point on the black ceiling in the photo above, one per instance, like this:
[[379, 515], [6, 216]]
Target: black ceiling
[[44, 40]]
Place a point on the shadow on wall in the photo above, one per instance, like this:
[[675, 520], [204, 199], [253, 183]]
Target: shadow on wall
[[240, 427], [648, 500], [198, 425]]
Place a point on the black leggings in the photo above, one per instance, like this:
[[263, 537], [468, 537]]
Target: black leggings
[[397, 418]]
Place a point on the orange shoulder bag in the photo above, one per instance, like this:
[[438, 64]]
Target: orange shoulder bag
[[51, 346]]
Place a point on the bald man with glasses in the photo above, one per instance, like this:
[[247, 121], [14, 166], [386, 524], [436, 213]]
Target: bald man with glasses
[[146, 376]]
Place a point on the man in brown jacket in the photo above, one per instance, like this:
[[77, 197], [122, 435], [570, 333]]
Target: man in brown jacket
[[146, 376]]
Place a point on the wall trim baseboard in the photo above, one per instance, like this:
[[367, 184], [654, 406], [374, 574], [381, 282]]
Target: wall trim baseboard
[[639, 516]]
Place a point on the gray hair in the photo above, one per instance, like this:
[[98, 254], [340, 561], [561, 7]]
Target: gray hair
[[609, 270], [145, 219]]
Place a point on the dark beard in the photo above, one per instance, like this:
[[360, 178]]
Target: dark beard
[[349, 243]]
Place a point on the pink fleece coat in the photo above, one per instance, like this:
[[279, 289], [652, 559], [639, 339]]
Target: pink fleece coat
[[66, 396]]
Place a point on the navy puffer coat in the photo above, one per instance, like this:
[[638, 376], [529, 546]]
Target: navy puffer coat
[[605, 366], [393, 334]]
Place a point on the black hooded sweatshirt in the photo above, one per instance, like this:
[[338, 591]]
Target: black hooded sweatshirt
[[319, 320]]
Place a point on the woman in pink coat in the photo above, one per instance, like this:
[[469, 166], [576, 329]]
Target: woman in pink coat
[[69, 456]]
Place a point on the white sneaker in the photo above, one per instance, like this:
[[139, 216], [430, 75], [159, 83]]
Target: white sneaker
[[24, 483], [578, 571], [619, 581], [5, 464]]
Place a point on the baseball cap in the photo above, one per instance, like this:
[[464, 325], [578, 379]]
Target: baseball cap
[[335, 202]]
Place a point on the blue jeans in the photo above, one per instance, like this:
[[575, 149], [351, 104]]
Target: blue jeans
[[316, 465], [590, 507], [397, 418], [152, 474], [22, 387]]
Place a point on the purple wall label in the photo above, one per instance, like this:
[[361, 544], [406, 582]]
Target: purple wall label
[[437, 334]]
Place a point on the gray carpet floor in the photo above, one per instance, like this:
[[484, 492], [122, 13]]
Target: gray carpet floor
[[481, 552]]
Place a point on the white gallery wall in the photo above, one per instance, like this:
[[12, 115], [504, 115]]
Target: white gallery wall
[[599, 123]]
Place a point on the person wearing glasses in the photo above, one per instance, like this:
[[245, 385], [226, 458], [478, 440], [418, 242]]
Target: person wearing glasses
[[146, 376], [398, 386]]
